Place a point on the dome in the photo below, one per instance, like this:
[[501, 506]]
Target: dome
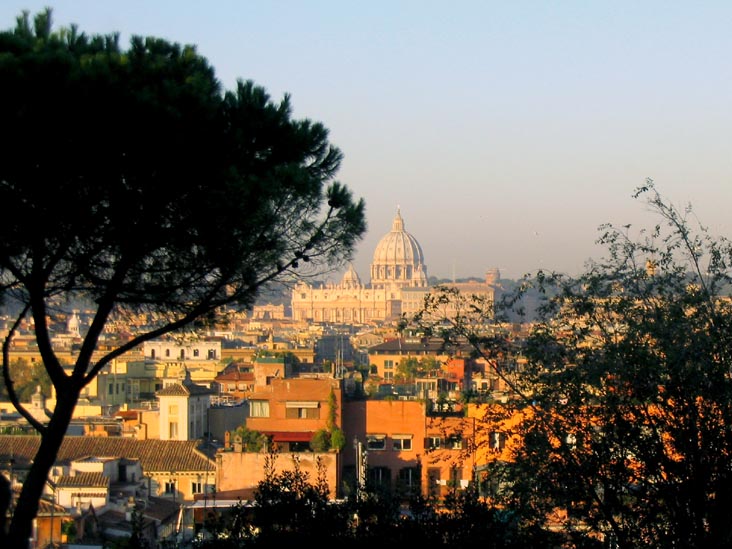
[[350, 279], [398, 259]]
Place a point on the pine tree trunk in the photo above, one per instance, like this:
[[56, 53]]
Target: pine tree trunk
[[21, 526]]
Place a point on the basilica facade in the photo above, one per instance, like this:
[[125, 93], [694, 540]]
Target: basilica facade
[[398, 285]]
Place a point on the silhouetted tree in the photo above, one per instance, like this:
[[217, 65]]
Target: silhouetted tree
[[130, 179], [626, 392]]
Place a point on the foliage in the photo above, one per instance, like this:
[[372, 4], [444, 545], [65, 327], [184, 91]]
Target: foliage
[[27, 377], [410, 368], [330, 421], [289, 508], [252, 441], [324, 440], [337, 439], [320, 441], [331, 437], [130, 180], [626, 396]]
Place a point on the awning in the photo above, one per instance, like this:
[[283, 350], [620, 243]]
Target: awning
[[290, 436]]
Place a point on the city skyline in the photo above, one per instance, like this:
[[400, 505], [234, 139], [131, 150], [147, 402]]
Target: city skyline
[[506, 133]]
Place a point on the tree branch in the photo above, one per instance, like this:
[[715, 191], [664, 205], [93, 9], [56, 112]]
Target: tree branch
[[12, 395]]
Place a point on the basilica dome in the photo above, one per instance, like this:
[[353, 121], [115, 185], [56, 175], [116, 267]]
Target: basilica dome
[[398, 259]]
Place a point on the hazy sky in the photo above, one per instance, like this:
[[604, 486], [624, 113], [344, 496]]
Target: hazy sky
[[506, 132]]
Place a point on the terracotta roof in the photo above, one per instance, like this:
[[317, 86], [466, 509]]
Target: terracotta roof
[[85, 479], [161, 509], [184, 389], [154, 455], [235, 376], [45, 507]]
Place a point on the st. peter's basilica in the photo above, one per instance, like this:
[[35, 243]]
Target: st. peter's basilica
[[398, 285]]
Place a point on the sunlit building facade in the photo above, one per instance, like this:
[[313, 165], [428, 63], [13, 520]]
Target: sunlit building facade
[[398, 286], [398, 264]]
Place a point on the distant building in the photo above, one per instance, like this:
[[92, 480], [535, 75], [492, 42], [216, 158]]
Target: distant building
[[398, 263], [398, 286], [183, 410]]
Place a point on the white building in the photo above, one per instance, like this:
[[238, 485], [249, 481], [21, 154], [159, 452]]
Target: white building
[[183, 409], [398, 264]]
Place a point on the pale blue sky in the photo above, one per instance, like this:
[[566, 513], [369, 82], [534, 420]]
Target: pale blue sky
[[506, 132]]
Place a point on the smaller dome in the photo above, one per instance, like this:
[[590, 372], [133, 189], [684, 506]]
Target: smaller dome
[[350, 278]]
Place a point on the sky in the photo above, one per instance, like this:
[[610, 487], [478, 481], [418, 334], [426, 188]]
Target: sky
[[506, 132]]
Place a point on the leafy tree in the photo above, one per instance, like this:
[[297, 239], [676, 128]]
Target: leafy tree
[[289, 507], [27, 377], [130, 179], [407, 369], [320, 441], [252, 441], [332, 436], [626, 396], [337, 439]]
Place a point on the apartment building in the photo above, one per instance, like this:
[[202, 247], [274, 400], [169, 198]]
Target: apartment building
[[406, 447]]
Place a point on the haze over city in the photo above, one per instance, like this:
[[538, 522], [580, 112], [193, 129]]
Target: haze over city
[[506, 132]]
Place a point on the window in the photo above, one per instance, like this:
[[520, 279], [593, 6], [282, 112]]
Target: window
[[111, 388], [376, 442], [302, 410], [432, 443], [212, 354], [173, 410], [196, 488], [259, 408], [173, 430], [497, 440], [167, 352], [196, 352], [379, 476], [170, 487], [388, 365], [152, 353], [455, 442], [401, 442], [408, 481]]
